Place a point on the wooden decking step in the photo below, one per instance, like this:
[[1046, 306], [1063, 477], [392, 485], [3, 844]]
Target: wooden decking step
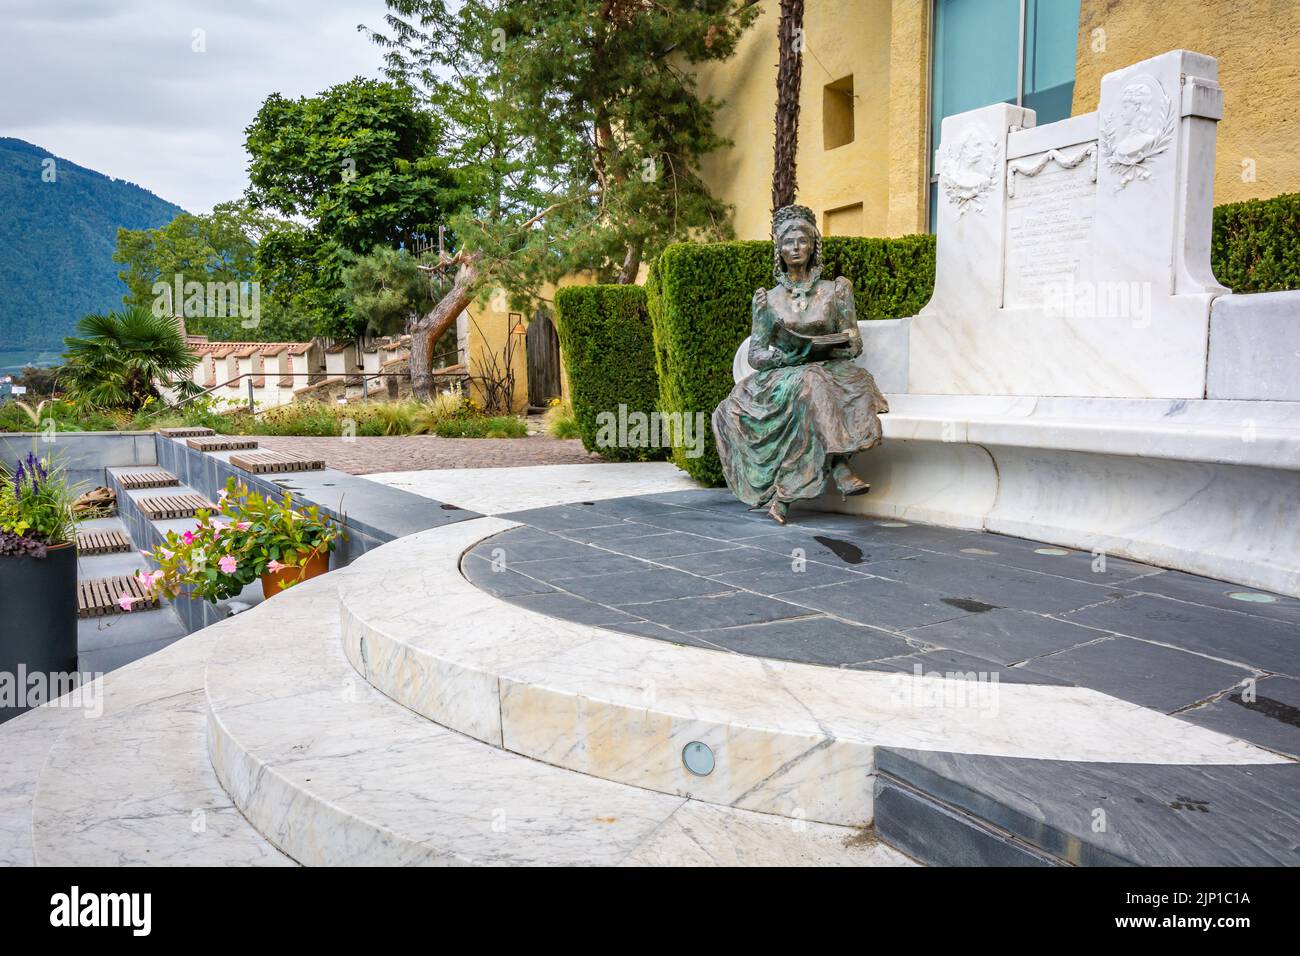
[[101, 542], [185, 432], [220, 444], [174, 506], [267, 462], [97, 597], [148, 479]]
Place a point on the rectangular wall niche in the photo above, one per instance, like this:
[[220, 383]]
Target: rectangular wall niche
[[837, 113], [844, 221]]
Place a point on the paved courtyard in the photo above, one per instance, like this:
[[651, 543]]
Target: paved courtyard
[[697, 568], [371, 455]]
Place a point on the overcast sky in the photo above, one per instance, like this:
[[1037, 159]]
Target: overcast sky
[[115, 85]]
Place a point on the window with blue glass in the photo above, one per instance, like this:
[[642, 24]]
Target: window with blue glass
[[1008, 51]]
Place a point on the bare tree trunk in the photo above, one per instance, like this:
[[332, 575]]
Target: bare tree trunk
[[428, 329], [789, 73], [631, 263]]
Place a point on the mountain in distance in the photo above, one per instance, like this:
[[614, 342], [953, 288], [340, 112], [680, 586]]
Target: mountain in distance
[[56, 243]]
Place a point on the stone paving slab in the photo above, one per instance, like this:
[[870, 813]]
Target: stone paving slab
[[699, 568], [1150, 814]]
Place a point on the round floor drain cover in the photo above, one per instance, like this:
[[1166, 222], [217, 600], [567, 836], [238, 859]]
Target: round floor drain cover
[[1253, 596], [1057, 551], [893, 524], [698, 758]]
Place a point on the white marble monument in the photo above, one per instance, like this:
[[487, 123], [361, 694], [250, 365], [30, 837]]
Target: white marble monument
[[1074, 258]]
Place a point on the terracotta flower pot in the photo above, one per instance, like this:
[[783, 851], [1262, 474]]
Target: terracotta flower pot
[[317, 564]]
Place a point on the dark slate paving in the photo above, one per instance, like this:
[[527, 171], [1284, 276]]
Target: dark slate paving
[[1150, 814], [1006, 635], [1243, 638], [994, 583], [1211, 593], [1269, 717], [695, 614], [562, 569], [503, 583], [570, 607], [637, 587], [781, 573], [665, 544], [816, 640], [879, 602], [960, 666], [700, 568], [1154, 676]]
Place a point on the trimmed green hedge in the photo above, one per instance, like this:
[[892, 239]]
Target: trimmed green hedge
[[699, 297], [609, 357], [1256, 244]]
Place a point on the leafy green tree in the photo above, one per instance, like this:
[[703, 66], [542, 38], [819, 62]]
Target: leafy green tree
[[220, 247], [362, 164], [118, 357], [602, 94]]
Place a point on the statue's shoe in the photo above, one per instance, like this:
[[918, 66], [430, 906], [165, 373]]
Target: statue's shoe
[[778, 511], [852, 485]]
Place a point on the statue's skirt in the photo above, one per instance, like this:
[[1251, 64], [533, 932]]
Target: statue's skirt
[[780, 427]]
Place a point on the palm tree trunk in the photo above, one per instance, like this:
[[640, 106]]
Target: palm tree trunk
[[788, 76]]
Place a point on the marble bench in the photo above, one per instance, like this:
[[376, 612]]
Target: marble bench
[[1207, 486]]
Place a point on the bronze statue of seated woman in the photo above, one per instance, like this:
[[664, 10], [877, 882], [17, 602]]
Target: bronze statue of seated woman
[[788, 430]]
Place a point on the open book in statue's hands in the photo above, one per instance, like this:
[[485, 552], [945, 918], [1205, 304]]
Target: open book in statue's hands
[[815, 347]]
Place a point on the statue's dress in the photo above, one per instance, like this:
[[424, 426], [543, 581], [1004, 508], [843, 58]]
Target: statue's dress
[[780, 428]]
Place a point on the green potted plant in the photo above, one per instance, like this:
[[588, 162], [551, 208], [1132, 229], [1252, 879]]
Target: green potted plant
[[250, 536], [38, 571]]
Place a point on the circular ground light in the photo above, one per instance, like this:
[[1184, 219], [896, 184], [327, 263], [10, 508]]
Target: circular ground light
[[698, 758], [1055, 551], [1253, 597], [893, 524]]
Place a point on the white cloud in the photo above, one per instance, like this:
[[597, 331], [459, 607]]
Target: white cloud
[[116, 86]]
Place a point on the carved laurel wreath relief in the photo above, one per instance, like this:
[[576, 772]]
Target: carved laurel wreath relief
[[1140, 128], [968, 170]]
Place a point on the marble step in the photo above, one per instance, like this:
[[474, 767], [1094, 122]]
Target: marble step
[[792, 739], [333, 772], [124, 779]]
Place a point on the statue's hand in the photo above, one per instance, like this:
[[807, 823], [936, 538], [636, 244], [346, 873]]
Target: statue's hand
[[760, 299]]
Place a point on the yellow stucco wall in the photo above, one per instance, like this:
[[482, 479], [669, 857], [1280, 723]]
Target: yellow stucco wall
[[1257, 44], [883, 168]]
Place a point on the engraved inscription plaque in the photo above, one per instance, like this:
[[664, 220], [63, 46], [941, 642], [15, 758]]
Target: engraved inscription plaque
[[1050, 209]]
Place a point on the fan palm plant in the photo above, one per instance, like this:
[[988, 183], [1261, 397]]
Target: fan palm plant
[[118, 358]]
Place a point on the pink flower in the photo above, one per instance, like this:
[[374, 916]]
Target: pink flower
[[222, 497], [167, 555], [126, 602], [188, 537], [243, 525], [228, 564], [276, 566], [219, 526], [145, 578]]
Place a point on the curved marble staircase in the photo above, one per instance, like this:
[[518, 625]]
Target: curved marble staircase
[[392, 713]]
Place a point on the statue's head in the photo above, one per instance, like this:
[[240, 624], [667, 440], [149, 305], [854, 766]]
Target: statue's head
[[795, 240]]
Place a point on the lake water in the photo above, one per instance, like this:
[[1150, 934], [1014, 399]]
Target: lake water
[[12, 361]]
